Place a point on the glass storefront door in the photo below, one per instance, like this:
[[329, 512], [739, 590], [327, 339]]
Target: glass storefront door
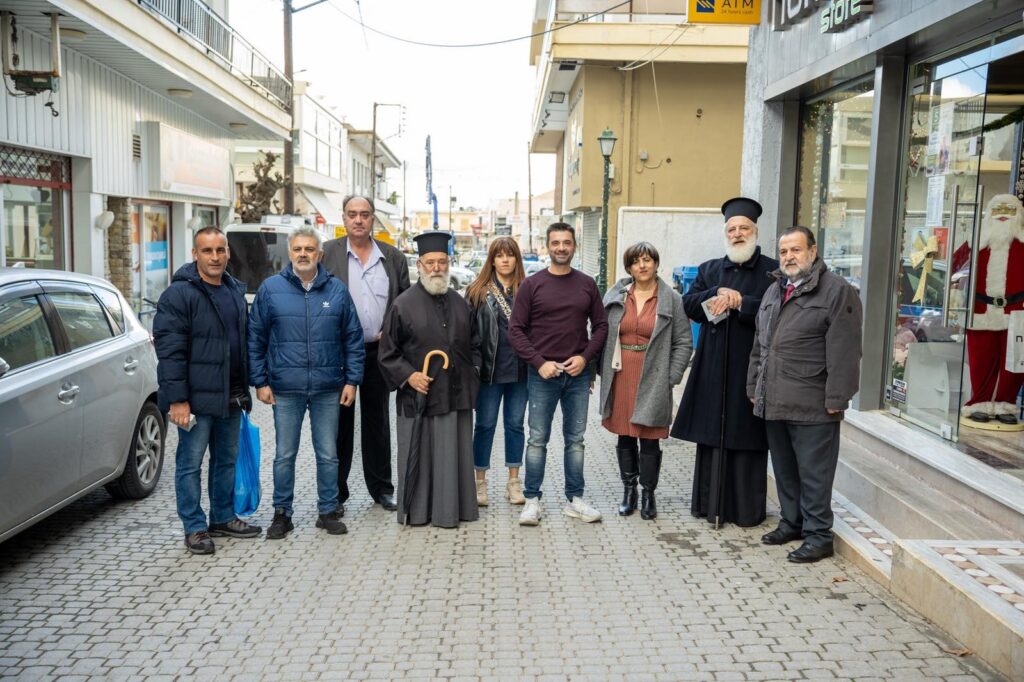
[[963, 136], [33, 208], [150, 257]]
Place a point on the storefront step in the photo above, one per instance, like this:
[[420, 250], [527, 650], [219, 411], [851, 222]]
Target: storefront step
[[919, 486], [974, 590]]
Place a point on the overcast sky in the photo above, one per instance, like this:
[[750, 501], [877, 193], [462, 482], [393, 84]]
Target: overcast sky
[[475, 103]]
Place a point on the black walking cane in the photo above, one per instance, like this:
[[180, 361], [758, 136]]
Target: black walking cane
[[719, 464], [412, 465]]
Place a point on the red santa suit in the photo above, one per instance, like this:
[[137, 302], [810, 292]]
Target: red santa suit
[[999, 289]]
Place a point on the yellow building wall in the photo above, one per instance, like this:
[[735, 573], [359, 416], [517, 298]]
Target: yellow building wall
[[691, 127]]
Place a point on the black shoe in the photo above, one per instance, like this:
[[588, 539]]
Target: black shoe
[[200, 542], [628, 505], [387, 501], [235, 528], [808, 553], [331, 523], [628, 472], [780, 537], [648, 509], [280, 526]]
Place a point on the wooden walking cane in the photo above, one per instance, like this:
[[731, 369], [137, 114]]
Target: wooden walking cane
[[412, 466]]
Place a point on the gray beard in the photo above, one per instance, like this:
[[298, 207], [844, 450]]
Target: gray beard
[[740, 253], [435, 284]]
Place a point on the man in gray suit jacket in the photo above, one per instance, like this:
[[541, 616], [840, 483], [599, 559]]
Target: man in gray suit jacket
[[376, 273]]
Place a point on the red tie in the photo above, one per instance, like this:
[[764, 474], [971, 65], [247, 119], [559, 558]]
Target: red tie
[[789, 291]]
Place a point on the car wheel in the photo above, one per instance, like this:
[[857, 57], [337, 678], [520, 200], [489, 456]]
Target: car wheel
[[145, 457]]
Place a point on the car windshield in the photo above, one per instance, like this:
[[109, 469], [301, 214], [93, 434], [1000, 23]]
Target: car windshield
[[256, 256]]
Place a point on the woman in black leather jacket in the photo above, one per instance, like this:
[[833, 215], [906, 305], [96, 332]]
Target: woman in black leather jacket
[[502, 372]]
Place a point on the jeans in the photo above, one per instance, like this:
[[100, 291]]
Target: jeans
[[488, 400], [545, 394], [323, 421], [220, 434]]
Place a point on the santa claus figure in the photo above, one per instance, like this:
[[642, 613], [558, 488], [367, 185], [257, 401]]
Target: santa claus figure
[[999, 289]]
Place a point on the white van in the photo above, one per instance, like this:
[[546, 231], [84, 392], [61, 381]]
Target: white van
[[259, 250]]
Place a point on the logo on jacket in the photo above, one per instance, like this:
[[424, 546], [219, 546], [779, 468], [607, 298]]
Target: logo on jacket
[[326, 304]]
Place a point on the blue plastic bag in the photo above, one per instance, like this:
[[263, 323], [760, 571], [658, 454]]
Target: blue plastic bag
[[247, 469]]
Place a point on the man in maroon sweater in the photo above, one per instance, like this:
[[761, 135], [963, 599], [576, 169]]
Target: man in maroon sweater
[[548, 329]]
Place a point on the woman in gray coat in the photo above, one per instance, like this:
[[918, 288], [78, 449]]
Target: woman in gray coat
[[648, 349]]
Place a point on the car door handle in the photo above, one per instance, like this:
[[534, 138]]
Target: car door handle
[[67, 393], [130, 365]]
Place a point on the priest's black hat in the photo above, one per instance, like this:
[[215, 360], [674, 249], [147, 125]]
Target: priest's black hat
[[742, 206], [434, 241]]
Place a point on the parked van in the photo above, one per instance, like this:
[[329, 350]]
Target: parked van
[[259, 250]]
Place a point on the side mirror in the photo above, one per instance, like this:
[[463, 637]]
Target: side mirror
[[4, 367]]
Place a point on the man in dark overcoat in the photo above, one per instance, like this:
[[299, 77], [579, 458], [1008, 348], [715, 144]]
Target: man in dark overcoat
[[734, 490]]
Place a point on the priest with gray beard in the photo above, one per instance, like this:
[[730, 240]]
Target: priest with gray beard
[[735, 284], [429, 316]]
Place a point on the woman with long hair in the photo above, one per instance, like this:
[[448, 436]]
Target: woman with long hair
[[648, 349], [502, 372]]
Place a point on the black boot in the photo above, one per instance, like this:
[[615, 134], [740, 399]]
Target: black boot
[[650, 468], [628, 472]]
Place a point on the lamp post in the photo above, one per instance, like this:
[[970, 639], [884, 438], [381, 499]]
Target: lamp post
[[607, 141]]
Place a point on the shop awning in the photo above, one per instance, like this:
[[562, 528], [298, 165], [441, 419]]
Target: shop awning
[[322, 205], [385, 222]]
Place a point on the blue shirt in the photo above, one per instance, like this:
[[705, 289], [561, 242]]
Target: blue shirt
[[368, 285]]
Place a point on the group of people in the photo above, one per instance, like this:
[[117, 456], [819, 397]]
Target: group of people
[[775, 367]]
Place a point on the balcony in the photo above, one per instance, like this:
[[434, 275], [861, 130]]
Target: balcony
[[209, 33]]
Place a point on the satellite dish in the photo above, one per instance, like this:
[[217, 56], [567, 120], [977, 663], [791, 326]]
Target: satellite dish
[[104, 220]]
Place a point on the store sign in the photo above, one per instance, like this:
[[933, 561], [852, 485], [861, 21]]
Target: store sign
[[181, 163], [833, 16], [723, 12]]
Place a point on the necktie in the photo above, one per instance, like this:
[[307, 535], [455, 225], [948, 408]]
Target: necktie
[[789, 291]]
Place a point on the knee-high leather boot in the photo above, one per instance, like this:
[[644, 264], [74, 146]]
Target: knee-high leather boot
[[650, 468], [628, 471]]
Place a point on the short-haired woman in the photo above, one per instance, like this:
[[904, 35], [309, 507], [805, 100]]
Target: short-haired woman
[[502, 372], [648, 349]]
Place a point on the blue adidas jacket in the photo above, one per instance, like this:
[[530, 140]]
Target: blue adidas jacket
[[304, 341]]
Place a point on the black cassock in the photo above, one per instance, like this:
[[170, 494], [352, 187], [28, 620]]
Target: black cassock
[[415, 324], [699, 417]]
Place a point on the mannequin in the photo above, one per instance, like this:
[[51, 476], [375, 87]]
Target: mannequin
[[999, 289]]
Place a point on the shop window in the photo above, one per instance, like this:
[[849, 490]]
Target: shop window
[[835, 149], [33, 202]]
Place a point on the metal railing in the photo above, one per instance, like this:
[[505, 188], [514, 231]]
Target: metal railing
[[193, 18]]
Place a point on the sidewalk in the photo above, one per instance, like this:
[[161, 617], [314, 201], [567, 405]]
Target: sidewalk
[[107, 590]]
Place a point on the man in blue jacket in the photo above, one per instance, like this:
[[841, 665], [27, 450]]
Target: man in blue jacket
[[199, 333], [305, 352]]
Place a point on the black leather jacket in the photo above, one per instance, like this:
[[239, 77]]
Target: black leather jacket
[[486, 318]]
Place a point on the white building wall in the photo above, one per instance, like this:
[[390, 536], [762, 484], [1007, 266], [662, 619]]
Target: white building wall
[[100, 110]]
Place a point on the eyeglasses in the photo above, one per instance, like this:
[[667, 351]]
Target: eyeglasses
[[438, 264]]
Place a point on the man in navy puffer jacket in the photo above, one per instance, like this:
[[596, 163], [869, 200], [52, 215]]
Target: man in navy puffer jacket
[[199, 334], [305, 352]]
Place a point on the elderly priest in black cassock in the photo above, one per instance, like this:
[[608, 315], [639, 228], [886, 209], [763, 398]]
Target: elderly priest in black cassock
[[436, 483], [732, 489]]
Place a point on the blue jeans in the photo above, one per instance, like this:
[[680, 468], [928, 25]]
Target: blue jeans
[[545, 394], [220, 435], [487, 402], [323, 422]]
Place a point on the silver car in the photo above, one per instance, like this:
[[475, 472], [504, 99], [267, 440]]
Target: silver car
[[77, 396]]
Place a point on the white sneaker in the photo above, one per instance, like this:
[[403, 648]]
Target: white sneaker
[[579, 509], [530, 516]]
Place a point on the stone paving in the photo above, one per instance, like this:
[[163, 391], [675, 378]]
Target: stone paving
[[107, 590]]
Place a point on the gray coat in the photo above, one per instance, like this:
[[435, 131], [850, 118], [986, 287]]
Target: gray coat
[[806, 355], [666, 358]]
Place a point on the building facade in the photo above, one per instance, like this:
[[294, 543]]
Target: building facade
[[670, 92], [110, 172]]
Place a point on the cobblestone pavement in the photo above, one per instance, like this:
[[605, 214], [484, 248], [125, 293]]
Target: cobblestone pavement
[[105, 589]]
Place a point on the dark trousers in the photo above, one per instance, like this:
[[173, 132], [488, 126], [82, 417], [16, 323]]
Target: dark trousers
[[804, 457], [375, 431]]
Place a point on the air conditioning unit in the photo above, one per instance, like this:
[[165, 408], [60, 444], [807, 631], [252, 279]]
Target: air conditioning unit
[[29, 82]]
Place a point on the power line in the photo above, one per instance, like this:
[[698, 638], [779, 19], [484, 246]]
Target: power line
[[461, 45]]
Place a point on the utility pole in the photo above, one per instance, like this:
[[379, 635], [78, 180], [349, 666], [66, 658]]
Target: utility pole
[[405, 169], [529, 201], [373, 156], [289, 152]]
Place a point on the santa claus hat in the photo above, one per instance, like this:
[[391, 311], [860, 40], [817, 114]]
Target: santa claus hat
[[1003, 205]]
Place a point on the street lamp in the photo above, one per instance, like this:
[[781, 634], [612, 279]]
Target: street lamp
[[607, 141]]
